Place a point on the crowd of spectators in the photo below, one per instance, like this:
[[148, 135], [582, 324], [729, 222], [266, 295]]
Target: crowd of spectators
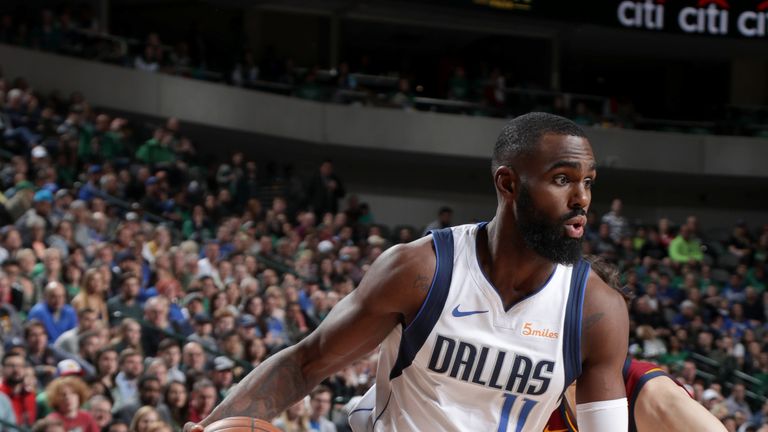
[[485, 91], [138, 282]]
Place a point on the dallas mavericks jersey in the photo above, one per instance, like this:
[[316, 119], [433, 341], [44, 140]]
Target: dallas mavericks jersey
[[466, 363]]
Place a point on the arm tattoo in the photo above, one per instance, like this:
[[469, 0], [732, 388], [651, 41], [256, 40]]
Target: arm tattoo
[[266, 392], [422, 283], [592, 320]]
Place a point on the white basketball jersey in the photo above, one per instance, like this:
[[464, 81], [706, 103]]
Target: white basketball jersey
[[466, 363]]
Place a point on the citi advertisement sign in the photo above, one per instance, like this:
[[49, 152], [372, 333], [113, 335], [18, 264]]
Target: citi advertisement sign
[[706, 17]]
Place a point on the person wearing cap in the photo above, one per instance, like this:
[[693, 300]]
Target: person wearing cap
[[223, 376], [203, 325], [91, 188], [194, 303], [21, 200], [42, 205]]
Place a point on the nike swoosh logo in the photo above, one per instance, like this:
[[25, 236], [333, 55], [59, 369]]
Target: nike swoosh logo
[[458, 314]]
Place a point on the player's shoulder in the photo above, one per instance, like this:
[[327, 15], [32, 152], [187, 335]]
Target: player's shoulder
[[408, 257], [602, 296], [400, 278]]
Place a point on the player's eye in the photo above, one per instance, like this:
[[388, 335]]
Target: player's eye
[[560, 179]]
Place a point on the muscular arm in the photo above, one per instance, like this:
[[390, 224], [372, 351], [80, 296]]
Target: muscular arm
[[391, 292], [605, 330], [662, 406]]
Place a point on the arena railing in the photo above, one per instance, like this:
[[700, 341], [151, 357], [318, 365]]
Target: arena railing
[[715, 373]]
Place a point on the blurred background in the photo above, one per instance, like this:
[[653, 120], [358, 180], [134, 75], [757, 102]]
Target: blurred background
[[227, 170]]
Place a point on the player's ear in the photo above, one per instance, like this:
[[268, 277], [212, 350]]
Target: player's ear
[[506, 179]]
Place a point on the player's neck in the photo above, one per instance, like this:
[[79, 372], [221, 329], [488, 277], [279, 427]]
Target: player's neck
[[514, 269]]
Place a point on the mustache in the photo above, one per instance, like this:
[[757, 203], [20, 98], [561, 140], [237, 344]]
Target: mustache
[[572, 214]]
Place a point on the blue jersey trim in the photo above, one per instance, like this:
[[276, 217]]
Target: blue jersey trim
[[625, 370], [360, 410], [386, 405], [633, 397], [573, 314], [418, 330]]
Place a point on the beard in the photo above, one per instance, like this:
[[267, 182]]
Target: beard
[[547, 238], [13, 381]]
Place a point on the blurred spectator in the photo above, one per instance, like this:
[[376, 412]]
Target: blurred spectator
[[324, 191], [246, 72], [444, 220], [309, 89], [55, 314], [403, 97], [294, 419], [320, 401], [125, 304], [737, 401], [202, 400], [617, 223], [125, 391], [684, 248], [100, 408], [144, 420], [149, 59], [458, 86], [223, 376], [177, 398], [66, 395], [150, 394], [91, 295], [22, 398]]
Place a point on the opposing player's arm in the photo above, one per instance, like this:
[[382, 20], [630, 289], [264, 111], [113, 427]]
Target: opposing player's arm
[[605, 330], [663, 406], [391, 292]]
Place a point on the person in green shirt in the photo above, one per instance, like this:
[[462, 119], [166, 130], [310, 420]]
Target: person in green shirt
[[685, 248], [156, 150]]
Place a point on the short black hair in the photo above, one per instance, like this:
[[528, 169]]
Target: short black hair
[[521, 135], [145, 379], [10, 354]]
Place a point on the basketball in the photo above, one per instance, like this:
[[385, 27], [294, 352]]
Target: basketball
[[241, 424]]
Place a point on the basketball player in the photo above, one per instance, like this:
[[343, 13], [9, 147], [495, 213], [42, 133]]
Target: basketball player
[[480, 326], [657, 403]]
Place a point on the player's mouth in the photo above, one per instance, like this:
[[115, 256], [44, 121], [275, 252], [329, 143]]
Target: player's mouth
[[574, 227]]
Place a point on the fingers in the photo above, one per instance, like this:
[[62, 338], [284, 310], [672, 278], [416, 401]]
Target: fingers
[[192, 427]]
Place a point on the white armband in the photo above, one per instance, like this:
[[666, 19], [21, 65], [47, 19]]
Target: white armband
[[603, 416]]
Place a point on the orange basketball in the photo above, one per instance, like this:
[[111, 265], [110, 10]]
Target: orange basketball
[[241, 424]]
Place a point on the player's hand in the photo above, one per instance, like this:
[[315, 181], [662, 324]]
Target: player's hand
[[193, 427]]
